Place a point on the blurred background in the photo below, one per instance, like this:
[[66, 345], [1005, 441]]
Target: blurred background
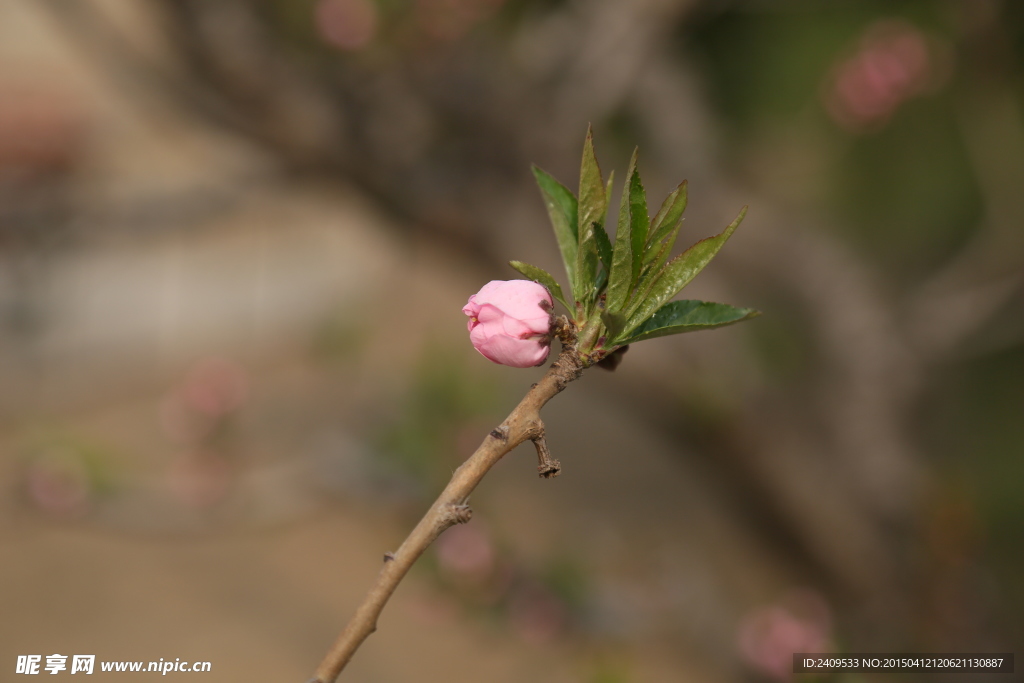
[[235, 238]]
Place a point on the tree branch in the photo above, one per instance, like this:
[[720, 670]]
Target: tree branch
[[522, 424]]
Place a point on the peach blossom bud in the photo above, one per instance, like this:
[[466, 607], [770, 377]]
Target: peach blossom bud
[[509, 322]]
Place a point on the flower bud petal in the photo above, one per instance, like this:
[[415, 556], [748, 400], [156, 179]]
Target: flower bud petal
[[509, 322]]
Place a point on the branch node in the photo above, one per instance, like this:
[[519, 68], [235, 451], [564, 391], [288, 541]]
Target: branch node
[[565, 331], [500, 433], [456, 514], [389, 557]]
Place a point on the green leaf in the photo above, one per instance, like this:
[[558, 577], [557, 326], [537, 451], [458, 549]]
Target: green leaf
[[648, 274], [601, 281], [677, 317], [668, 219], [638, 220], [613, 322], [543, 277], [620, 277], [678, 273], [604, 247], [592, 208], [664, 230], [562, 208]]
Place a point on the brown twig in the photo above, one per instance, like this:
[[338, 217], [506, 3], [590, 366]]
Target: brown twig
[[523, 424]]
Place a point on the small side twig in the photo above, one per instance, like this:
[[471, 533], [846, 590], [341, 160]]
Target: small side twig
[[522, 424], [547, 466]]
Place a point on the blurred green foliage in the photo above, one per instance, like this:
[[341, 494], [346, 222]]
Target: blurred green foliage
[[906, 193], [975, 423]]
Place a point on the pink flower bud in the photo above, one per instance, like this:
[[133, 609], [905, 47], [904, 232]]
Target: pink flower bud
[[509, 321]]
